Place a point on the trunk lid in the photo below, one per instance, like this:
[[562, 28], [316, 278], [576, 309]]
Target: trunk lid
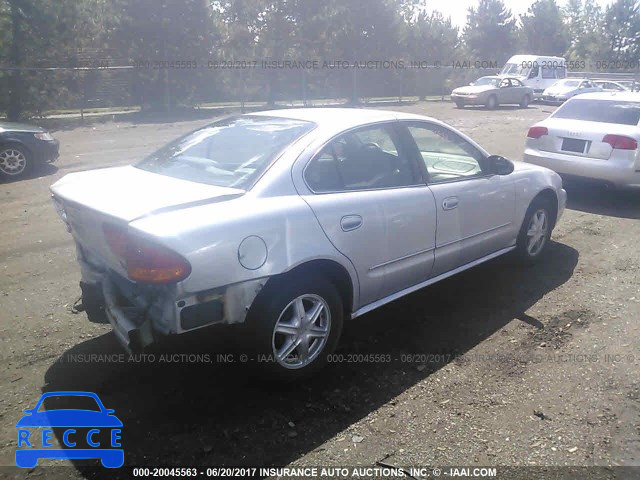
[[581, 138], [128, 193], [86, 200]]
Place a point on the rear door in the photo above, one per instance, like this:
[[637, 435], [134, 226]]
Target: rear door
[[475, 208], [508, 92], [372, 203]]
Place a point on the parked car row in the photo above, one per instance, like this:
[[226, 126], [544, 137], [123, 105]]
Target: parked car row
[[495, 90]]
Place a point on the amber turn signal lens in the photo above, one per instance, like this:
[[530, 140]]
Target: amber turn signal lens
[[146, 261]]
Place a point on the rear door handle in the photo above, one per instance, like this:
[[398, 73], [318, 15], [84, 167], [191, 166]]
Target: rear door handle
[[450, 203], [350, 222]]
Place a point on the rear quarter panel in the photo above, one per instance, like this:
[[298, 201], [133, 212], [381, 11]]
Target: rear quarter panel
[[209, 237]]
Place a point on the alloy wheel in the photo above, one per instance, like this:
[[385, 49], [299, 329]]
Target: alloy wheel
[[12, 161], [537, 232], [301, 332]]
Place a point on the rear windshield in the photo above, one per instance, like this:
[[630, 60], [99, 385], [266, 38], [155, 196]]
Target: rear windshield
[[233, 152], [605, 111]]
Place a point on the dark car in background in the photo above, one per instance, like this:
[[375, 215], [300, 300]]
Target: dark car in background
[[24, 147]]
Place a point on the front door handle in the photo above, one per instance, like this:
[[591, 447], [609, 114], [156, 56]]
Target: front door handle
[[450, 203], [350, 222]]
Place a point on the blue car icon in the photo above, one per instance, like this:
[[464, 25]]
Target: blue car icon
[[96, 420]]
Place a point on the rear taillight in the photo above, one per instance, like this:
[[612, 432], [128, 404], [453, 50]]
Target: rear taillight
[[537, 132], [620, 142], [145, 260]]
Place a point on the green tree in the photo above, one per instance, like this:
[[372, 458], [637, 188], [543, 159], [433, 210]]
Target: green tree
[[45, 33], [622, 30], [429, 37], [585, 22], [490, 32], [161, 36], [543, 31]]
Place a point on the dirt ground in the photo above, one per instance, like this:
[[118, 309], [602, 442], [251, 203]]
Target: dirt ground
[[498, 366]]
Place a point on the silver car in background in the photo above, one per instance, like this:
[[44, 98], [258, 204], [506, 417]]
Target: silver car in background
[[492, 92], [291, 221], [611, 86], [564, 89], [593, 136]]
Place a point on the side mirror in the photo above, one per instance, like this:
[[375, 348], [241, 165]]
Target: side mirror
[[500, 165], [472, 83]]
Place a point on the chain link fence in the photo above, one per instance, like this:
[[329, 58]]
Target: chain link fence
[[167, 86], [161, 85]]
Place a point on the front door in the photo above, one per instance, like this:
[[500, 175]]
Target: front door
[[475, 208]]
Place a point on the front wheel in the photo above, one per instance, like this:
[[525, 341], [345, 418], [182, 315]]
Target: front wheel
[[492, 102], [535, 233], [14, 160], [296, 324]]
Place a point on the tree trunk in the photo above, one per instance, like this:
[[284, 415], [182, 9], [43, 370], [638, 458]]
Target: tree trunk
[[14, 111]]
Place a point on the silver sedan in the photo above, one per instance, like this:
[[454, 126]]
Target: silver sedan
[[292, 221], [492, 92], [593, 136]]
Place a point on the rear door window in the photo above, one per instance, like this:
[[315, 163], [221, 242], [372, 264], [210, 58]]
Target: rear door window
[[363, 159]]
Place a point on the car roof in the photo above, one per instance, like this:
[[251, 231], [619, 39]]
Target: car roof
[[342, 117], [615, 82], [623, 96], [524, 58]]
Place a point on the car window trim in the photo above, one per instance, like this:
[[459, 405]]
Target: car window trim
[[405, 124], [402, 150]]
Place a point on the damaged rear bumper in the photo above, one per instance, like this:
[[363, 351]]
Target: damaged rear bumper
[[130, 324], [141, 314]]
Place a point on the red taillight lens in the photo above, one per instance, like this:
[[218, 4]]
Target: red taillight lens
[[620, 142], [537, 132], [146, 261], [117, 239]]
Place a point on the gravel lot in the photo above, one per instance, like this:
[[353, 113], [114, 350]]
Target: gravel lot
[[497, 366]]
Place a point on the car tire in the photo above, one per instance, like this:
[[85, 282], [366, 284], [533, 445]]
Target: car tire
[[15, 160], [275, 323], [525, 101], [459, 105], [535, 232], [492, 102]]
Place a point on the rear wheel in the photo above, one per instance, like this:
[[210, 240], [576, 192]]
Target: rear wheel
[[492, 102], [535, 232], [14, 160], [525, 101], [295, 324]]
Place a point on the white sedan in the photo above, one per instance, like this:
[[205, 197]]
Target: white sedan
[[594, 136], [291, 221], [564, 89]]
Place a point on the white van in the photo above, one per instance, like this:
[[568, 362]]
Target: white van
[[535, 71]]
